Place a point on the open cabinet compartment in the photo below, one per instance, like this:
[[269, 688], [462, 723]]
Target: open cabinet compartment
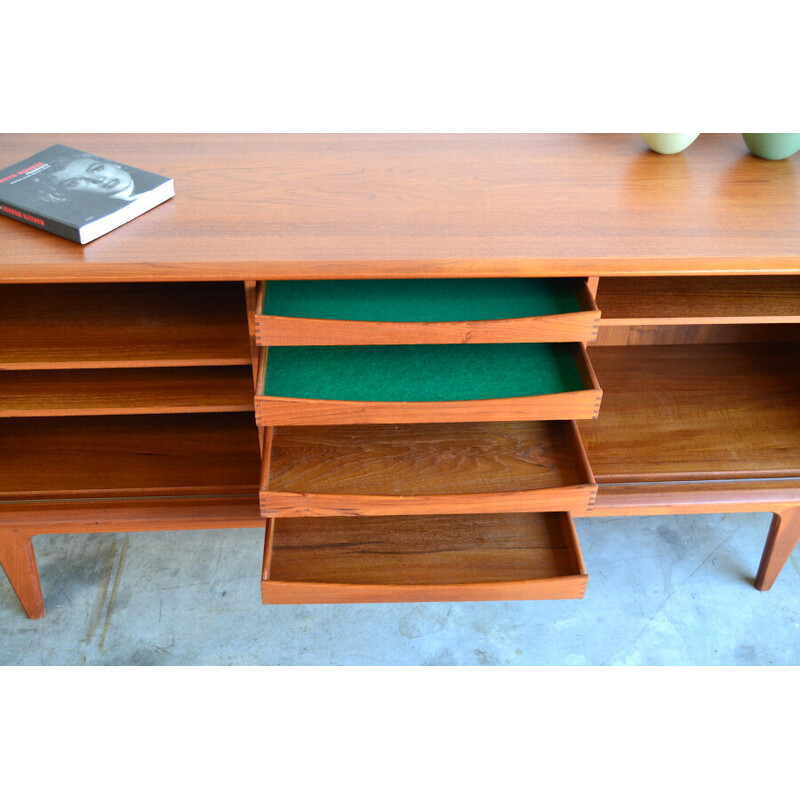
[[95, 325], [693, 300], [703, 412], [145, 455]]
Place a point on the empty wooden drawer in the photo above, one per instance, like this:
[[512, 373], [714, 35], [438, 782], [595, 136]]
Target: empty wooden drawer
[[425, 469], [434, 311], [425, 383], [423, 559]]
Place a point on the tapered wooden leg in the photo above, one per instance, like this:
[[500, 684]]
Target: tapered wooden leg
[[19, 563], [783, 536]]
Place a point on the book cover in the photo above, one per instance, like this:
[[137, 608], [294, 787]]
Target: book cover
[[78, 195]]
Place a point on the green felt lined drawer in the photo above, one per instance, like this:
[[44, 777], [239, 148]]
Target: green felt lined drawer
[[432, 311], [417, 383]]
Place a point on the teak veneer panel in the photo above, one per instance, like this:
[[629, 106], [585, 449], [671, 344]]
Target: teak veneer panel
[[423, 559], [699, 412], [418, 469], [111, 515], [371, 313], [71, 326], [719, 300], [696, 497], [310, 206], [729, 333], [52, 393], [157, 454]]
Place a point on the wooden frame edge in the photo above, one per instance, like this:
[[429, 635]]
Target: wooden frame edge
[[580, 404], [560, 587], [552, 499]]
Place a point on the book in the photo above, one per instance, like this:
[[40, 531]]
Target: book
[[78, 195]]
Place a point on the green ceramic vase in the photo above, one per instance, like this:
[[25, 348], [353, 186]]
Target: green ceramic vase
[[669, 143], [773, 146]]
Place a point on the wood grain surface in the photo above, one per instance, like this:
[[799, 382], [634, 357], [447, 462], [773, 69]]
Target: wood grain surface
[[194, 512], [300, 411], [679, 301], [784, 533], [700, 412], [385, 559], [157, 454], [713, 333], [580, 326], [418, 469], [307, 206], [578, 499], [711, 496], [57, 393], [423, 459], [123, 325]]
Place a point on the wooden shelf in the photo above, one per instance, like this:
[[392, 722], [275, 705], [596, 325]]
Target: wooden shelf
[[87, 326], [54, 393], [422, 559], [425, 469], [699, 412], [425, 383], [147, 455], [437, 311], [694, 300]]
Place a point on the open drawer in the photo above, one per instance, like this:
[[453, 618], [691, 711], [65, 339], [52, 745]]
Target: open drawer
[[425, 383], [462, 468], [423, 559], [430, 311]]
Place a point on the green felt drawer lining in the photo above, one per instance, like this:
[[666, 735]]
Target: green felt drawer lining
[[421, 373], [435, 300]]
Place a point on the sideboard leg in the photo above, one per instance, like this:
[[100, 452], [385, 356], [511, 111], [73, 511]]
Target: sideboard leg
[[19, 563], [783, 536]]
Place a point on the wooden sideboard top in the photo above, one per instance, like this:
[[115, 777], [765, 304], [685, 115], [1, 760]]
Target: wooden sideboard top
[[310, 206]]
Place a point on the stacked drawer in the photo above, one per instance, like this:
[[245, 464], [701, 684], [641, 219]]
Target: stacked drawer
[[419, 438]]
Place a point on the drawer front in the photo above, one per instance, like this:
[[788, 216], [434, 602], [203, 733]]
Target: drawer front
[[422, 559], [464, 468], [454, 311], [425, 383], [577, 499]]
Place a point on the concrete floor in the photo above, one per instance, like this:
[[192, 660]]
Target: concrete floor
[[662, 591]]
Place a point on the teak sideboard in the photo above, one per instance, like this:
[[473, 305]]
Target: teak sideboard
[[413, 359]]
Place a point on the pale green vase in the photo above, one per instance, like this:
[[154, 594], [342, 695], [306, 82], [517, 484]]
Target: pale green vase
[[774, 146], [669, 143]]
